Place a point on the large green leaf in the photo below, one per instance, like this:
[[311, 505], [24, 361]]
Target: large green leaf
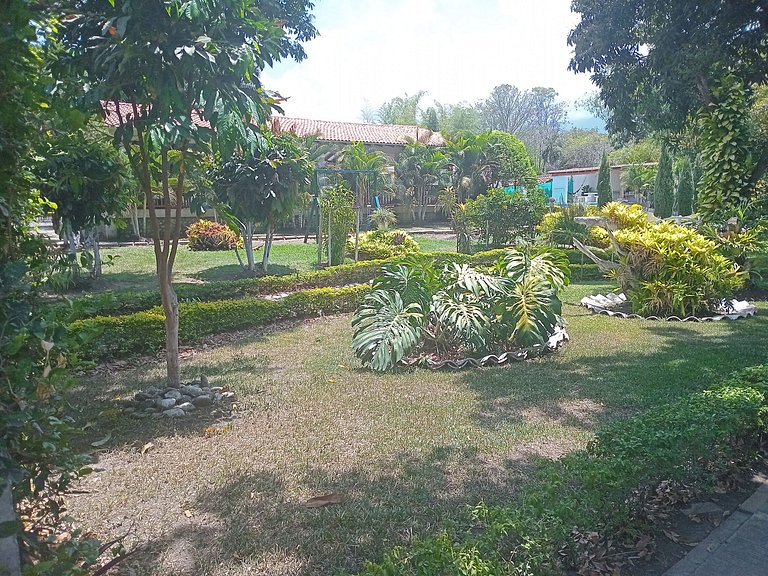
[[477, 283], [386, 329], [414, 278], [533, 309], [465, 319], [551, 266]]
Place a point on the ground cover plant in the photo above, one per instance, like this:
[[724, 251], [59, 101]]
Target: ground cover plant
[[417, 307], [410, 452]]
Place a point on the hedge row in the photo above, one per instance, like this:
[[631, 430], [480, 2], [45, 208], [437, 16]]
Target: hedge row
[[144, 332], [130, 302], [602, 490]]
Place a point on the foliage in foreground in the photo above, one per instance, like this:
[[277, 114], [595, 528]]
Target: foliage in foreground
[[604, 489], [457, 309], [671, 269]]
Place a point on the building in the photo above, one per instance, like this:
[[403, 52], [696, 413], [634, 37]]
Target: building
[[390, 139], [579, 185]]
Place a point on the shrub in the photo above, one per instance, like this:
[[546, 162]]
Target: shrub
[[336, 203], [459, 310], [383, 218], [600, 490], [205, 235], [381, 244], [498, 217], [671, 269], [143, 332], [623, 216], [560, 228]]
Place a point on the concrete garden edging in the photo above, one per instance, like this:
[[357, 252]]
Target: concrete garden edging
[[606, 304]]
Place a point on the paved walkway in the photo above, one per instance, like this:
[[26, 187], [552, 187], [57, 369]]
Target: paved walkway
[[738, 547]]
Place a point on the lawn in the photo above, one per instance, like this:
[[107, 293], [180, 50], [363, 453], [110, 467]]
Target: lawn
[[409, 451], [133, 266]]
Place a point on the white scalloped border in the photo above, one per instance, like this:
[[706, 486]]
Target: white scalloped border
[[603, 304], [559, 338]]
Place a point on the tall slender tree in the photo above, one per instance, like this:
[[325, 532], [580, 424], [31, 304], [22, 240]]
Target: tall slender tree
[[604, 192], [664, 187], [179, 78], [684, 198]]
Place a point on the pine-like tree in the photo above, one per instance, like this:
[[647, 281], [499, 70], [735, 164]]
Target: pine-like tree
[[664, 188], [604, 193], [685, 189]]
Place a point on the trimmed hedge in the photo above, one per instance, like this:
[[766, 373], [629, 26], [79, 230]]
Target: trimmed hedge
[[129, 302], [144, 332], [601, 490]]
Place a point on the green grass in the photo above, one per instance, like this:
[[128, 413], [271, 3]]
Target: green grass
[[133, 266], [409, 451]]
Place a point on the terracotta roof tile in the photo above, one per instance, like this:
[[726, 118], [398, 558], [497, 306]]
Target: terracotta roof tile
[[357, 132], [332, 131]]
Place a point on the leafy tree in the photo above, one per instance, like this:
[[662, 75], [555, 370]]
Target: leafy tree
[[507, 109], [582, 148], [455, 120], [401, 109], [430, 119], [189, 71], [542, 133], [664, 188], [86, 180], [604, 192], [685, 189], [264, 188], [642, 151], [508, 159], [658, 62], [498, 218]]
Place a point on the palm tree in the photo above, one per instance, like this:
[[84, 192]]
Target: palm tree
[[421, 170]]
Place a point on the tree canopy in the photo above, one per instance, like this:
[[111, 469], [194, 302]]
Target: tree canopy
[[655, 60]]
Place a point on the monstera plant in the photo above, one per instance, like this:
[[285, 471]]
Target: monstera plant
[[416, 308]]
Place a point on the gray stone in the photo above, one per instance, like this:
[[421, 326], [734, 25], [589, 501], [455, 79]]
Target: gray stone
[[217, 388], [165, 403], [203, 380], [203, 400], [153, 392], [193, 391], [174, 413], [184, 398], [217, 398], [175, 394], [139, 396], [206, 390], [186, 406]]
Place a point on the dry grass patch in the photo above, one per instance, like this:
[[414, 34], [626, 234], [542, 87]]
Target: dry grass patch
[[408, 451]]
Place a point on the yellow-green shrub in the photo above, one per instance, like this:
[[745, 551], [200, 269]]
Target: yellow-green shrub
[[673, 270], [207, 235], [379, 244], [624, 216]]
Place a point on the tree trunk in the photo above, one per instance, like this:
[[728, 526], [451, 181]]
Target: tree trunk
[[92, 243], [10, 561], [171, 311], [248, 237], [270, 234], [135, 220]]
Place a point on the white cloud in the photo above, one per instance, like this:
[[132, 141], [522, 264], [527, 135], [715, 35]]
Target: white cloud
[[455, 49]]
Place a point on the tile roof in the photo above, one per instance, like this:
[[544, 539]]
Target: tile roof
[[113, 114], [357, 132], [327, 130]]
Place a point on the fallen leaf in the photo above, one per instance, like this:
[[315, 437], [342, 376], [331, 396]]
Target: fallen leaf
[[331, 380], [103, 441], [674, 536], [188, 513], [147, 447], [643, 543], [319, 501]]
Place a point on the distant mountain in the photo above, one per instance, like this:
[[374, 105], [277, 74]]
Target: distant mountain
[[577, 120]]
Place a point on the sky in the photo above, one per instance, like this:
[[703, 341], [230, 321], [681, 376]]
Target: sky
[[370, 51]]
